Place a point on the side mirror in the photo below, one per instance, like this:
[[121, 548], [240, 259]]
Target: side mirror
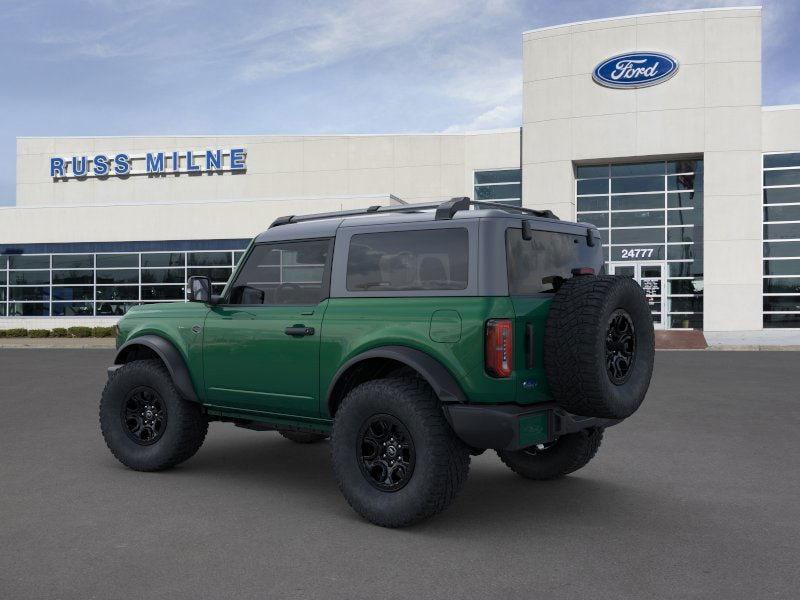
[[199, 289]]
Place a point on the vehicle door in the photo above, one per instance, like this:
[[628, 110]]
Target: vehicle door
[[261, 343]]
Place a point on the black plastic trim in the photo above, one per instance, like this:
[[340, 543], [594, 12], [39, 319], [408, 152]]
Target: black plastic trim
[[448, 208], [171, 358], [497, 426], [437, 376], [530, 346]]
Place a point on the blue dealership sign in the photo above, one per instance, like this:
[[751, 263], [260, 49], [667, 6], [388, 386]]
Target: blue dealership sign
[[635, 70], [122, 164]]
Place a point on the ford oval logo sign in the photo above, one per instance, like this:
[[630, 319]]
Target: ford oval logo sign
[[635, 70]]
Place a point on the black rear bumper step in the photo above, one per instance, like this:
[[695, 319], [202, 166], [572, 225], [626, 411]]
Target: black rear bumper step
[[513, 427]]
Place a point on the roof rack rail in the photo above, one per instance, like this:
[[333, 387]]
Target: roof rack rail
[[444, 210], [285, 220], [447, 209]]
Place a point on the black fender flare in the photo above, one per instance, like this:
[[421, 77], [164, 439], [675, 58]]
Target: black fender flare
[[171, 358], [438, 377]]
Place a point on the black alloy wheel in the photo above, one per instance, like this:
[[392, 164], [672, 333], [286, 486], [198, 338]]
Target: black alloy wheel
[[620, 346], [386, 453], [144, 415]]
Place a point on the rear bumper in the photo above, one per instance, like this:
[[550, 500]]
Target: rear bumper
[[513, 427]]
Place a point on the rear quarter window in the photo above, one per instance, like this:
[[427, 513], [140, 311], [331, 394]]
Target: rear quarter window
[[418, 260], [533, 263]]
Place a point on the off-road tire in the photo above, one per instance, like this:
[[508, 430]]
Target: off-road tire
[[441, 464], [575, 346], [185, 429], [302, 437], [567, 454]]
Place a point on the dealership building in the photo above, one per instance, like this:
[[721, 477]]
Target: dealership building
[[650, 127]]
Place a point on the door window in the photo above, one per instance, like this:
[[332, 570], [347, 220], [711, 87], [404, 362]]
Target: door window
[[284, 273]]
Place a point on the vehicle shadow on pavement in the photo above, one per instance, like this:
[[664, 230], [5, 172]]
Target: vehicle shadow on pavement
[[492, 497]]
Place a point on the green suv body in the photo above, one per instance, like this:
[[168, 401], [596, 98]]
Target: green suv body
[[414, 336]]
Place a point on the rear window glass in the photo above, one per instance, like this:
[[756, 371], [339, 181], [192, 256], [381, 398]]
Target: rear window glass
[[422, 260], [532, 264]]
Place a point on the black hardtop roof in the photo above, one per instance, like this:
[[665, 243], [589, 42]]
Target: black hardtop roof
[[326, 224]]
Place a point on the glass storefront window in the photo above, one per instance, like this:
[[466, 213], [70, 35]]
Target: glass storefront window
[[593, 186], [651, 212], [781, 299], [118, 276], [113, 309], [637, 218], [782, 231], [637, 184], [23, 261], [684, 217], [163, 276], [73, 261], [163, 292], [72, 309], [29, 293], [61, 277], [72, 292], [600, 220], [592, 171], [782, 267], [105, 284], [782, 285], [29, 277], [628, 169], [782, 195], [500, 185], [113, 261], [117, 292], [28, 309], [637, 202], [163, 259], [215, 274], [209, 259]]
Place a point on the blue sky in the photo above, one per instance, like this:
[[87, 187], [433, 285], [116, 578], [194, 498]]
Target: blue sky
[[155, 67]]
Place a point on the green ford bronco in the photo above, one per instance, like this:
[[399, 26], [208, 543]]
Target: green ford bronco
[[412, 336]]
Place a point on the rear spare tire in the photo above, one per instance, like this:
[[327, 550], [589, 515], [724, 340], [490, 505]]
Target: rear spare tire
[[599, 346]]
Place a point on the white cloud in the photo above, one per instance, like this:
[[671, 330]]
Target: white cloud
[[497, 117], [329, 36]]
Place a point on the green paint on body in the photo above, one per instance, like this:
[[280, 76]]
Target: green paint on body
[[242, 363]]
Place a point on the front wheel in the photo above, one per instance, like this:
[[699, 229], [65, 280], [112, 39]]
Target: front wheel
[[550, 461], [145, 422], [396, 459]]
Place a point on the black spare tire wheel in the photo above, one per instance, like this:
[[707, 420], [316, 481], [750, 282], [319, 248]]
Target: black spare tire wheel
[[599, 346]]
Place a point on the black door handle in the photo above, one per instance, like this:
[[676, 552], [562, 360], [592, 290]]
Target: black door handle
[[299, 330]]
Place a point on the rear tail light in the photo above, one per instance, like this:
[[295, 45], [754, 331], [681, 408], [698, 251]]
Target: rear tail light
[[499, 348]]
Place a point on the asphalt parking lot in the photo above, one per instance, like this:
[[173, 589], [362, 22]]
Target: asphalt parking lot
[[696, 496]]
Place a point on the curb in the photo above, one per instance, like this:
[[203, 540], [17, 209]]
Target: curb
[[754, 348], [58, 343]]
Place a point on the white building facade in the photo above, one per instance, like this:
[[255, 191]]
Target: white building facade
[[694, 184]]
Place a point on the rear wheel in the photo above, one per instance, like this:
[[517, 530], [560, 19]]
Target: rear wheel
[[549, 461], [145, 422], [302, 437], [396, 459]]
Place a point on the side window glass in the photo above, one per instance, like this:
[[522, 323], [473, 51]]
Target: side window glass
[[292, 273], [420, 260]]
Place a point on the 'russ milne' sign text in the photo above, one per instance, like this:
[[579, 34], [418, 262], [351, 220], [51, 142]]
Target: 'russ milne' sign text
[[122, 164], [635, 70]]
